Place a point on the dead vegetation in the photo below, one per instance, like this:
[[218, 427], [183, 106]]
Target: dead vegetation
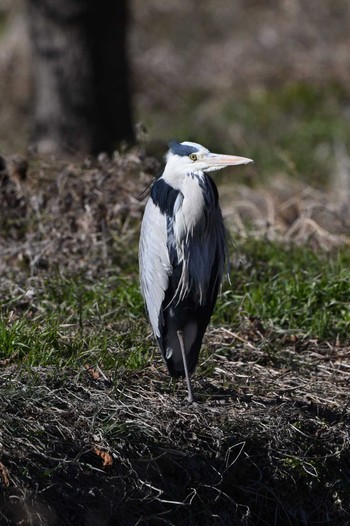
[[291, 212], [266, 444], [58, 212]]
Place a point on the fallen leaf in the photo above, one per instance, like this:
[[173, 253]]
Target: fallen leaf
[[107, 459], [4, 475]]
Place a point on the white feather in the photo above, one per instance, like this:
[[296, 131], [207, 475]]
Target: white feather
[[155, 266]]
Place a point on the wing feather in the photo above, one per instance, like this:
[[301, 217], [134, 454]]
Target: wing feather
[[155, 266]]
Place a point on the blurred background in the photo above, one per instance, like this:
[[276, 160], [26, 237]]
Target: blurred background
[[261, 78]]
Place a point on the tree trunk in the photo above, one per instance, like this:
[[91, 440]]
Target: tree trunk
[[81, 99]]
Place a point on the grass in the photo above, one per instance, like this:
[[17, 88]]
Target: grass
[[293, 289], [73, 322], [76, 321]]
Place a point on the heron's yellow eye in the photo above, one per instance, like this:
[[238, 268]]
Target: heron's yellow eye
[[193, 157]]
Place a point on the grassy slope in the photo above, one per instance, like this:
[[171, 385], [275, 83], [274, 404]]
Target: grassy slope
[[83, 401], [69, 320]]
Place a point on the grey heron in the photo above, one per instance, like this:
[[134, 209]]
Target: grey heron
[[182, 253]]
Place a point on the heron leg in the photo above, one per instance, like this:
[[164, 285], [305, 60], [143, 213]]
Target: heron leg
[[190, 397]]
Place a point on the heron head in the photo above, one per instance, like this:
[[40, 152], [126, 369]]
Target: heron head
[[193, 157]]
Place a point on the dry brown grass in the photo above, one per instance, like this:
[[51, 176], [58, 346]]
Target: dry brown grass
[[265, 445], [57, 212], [289, 211]]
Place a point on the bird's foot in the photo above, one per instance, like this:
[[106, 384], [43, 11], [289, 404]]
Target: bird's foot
[[191, 401]]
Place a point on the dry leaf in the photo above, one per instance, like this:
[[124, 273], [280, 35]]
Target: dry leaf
[[107, 459], [4, 475], [94, 373]]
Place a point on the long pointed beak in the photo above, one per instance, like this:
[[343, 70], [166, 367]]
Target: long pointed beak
[[218, 159]]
